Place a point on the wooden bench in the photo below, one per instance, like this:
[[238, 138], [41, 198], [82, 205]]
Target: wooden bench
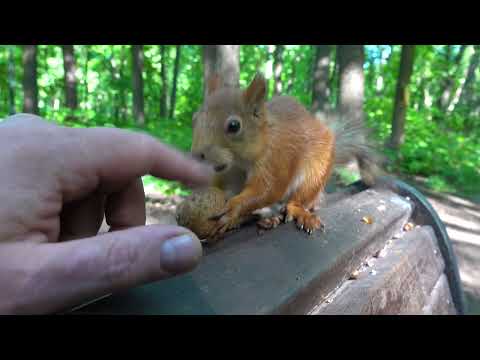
[[365, 263]]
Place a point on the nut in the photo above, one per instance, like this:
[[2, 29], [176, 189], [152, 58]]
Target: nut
[[367, 220], [408, 227], [354, 275], [194, 212]]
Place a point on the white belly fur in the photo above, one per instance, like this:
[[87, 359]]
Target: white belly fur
[[294, 185]]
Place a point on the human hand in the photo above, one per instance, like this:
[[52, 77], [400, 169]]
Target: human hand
[[56, 185]]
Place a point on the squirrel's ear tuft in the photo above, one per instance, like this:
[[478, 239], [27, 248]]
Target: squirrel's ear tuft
[[256, 92], [214, 82]]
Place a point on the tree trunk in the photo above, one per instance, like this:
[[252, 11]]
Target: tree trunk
[[351, 81], [123, 96], [70, 77], [163, 75], [209, 65], [30, 88], [332, 80], [277, 69], [176, 70], [443, 101], [85, 74], [449, 81], [292, 77], [291, 80], [115, 85], [11, 80], [467, 93], [321, 74], [137, 80], [223, 60], [420, 92], [401, 97]]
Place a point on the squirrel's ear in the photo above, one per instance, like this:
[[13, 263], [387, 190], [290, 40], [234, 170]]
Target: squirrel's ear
[[214, 82], [256, 92]]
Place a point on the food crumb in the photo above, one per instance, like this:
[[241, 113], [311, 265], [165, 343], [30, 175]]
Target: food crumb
[[367, 220], [381, 208], [354, 275]]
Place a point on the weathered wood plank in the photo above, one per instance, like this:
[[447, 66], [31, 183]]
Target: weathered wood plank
[[402, 282], [283, 271]]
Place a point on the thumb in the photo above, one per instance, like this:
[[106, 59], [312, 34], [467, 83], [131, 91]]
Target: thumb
[[84, 269]]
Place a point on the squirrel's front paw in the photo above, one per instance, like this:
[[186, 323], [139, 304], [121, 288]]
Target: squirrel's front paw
[[226, 220]]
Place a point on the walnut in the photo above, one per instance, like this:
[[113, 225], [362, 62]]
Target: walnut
[[194, 212]]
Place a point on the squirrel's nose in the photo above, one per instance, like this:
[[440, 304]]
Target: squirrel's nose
[[199, 156]]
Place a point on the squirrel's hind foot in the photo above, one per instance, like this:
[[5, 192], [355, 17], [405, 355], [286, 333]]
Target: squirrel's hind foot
[[304, 219], [270, 222]]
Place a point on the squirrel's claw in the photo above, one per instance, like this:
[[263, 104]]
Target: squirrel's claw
[[269, 222], [225, 220], [219, 230], [218, 216]]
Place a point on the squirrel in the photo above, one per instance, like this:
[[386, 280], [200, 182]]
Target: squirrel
[[264, 152]]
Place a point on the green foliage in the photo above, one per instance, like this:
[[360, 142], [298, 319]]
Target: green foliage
[[346, 176], [450, 160], [437, 145], [440, 144]]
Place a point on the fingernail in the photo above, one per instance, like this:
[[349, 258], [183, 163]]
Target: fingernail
[[180, 254]]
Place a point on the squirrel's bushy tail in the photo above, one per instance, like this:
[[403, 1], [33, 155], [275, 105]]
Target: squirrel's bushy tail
[[352, 141]]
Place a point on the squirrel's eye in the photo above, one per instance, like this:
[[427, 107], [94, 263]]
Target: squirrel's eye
[[233, 126]]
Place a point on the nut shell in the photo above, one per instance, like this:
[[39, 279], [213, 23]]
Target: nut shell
[[194, 212]]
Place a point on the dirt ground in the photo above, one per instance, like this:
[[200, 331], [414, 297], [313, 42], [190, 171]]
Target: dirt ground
[[461, 217]]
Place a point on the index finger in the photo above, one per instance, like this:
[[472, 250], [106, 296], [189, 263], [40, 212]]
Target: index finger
[[111, 157]]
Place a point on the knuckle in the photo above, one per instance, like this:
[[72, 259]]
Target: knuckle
[[122, 256]]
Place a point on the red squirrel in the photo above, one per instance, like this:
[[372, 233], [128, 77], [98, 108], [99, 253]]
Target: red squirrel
[[264, 152]]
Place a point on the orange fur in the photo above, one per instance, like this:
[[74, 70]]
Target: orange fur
[[282, 152]]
